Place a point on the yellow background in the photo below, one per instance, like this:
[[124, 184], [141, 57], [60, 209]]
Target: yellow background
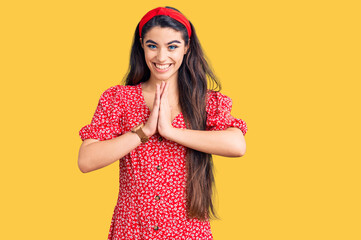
[[292, 69]]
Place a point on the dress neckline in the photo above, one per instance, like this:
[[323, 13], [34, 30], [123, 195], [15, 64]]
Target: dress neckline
[[140, 91]]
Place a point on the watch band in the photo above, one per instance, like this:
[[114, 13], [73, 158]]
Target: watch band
[[139, 131]]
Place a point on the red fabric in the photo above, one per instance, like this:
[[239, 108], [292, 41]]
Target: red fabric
[[168, 12], [137, 210], [219, 116]]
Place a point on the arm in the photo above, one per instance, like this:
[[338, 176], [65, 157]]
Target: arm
[[228, 143], [95, 154]]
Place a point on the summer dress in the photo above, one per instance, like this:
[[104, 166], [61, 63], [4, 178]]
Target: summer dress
[[152, 178]]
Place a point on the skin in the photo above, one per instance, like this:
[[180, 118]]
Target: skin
[[161, 96], [161, 90]]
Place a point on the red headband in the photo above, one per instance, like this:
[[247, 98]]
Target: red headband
[[168, 12]]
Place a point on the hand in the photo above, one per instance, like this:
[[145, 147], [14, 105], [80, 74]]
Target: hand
[[164, 118], [151, 126]]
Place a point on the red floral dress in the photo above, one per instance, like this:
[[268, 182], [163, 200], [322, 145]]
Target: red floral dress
[[152, 177]]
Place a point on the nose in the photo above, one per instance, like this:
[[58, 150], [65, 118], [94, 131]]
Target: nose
[[162, 55]]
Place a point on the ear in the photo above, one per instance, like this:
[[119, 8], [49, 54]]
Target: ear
[[186, 47], [140, 39]]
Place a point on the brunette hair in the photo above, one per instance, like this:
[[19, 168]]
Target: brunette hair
[[192, 84]]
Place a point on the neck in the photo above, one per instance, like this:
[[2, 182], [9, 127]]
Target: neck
[[151, 86]]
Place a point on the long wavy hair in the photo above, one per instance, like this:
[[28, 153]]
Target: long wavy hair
[[194, 78]]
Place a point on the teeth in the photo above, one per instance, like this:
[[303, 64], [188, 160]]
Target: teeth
[[162, 66]]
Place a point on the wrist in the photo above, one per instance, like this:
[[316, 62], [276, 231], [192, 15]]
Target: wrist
[[139, 131], [146, 131], [170, 134]]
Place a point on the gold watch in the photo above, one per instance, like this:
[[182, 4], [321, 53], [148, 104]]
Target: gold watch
[[139, 131]]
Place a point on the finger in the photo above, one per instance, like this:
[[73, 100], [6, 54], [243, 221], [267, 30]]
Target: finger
[[156, 102], [162, 87], [164, 102], [161, 92], [157, 95], [162, 99], [156, 91], [166, 89], [165, 93]]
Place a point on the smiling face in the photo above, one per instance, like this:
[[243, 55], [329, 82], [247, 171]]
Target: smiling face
[[164, 50]]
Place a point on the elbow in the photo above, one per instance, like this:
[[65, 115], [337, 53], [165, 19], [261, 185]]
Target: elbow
[[237, 144], [241, 146], [239, 150], [83, 164], [242, 152], [235, 151], [238, 153], [83, 169], [85, 161]]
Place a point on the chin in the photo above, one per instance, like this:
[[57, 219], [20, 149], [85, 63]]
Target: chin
[[162, 77]]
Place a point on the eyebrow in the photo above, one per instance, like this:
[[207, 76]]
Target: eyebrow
[[174, 41]]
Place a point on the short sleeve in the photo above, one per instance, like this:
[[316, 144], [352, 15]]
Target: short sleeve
[[106, 121], [219, 116]]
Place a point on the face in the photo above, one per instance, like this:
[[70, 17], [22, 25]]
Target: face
[[164, 50]]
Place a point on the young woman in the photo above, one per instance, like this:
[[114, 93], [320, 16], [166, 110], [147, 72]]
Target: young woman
[[163, 125]]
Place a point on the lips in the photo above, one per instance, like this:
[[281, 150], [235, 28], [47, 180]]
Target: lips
[[162, 66]]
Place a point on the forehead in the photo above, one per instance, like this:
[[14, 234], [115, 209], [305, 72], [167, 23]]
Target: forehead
[[163, 35]]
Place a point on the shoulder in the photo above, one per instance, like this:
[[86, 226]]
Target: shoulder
[[118, 92], [216, 95], [216, 100]]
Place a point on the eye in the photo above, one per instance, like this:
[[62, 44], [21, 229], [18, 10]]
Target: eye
[[174, 47], [151, 46]]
